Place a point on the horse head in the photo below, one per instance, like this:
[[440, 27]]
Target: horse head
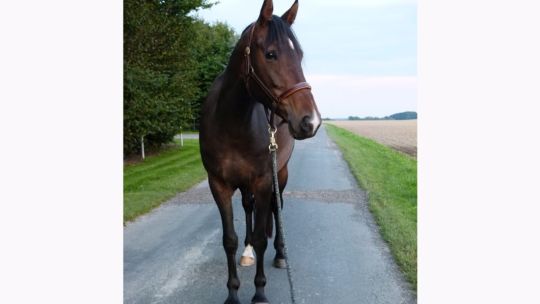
[[274, 73]]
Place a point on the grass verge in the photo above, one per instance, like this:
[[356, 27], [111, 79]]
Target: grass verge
[[389, 178], [160, 177]]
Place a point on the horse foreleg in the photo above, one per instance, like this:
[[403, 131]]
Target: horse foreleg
[[260, 241], [279, 259], [247, 258], [222, 195]]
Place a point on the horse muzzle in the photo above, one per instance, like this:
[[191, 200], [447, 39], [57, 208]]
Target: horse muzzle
[[307, 127]]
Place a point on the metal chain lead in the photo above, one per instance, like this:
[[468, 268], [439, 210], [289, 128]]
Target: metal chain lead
[[273, 149]]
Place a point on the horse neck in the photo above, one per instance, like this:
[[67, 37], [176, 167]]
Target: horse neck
[[235, 107]]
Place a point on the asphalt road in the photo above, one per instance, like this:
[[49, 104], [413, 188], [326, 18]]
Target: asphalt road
[[175, 255]]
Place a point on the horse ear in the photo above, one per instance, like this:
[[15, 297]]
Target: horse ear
[[290, 15], [266, 11]]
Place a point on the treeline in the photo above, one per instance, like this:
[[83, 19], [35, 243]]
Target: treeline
[[365, 118], [404, 115], [170, 61], [397, 116]]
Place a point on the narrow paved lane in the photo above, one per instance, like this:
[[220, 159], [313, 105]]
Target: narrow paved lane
[[174, 254]]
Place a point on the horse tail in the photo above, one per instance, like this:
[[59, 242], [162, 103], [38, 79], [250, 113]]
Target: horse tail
[[270, 223], [274, 206], [270, 220]]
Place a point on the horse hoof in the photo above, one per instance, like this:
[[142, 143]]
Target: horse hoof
[[279, 263], [232, 300], [247, 258], [246, 261], [259, 299]]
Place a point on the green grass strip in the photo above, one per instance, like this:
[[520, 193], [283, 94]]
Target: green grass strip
[[160, 177], [389, 178]]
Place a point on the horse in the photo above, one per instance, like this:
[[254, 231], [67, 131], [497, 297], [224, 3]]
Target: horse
[[262, 90]]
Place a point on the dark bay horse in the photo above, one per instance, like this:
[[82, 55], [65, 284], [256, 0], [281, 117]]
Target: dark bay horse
[[264, 76]]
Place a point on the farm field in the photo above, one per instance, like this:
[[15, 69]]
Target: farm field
[[397, 134]]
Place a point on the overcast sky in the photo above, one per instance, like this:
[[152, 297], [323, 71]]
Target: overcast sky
[[359, 55]]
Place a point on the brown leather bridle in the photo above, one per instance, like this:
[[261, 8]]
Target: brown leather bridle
[[250, 74]]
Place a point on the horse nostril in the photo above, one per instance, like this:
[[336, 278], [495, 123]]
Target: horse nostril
[[306, 124]]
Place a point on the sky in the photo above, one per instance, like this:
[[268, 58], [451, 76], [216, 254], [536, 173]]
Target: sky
[[359, 55]]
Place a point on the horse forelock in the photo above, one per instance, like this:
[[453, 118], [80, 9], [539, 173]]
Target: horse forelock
[[277, 31]]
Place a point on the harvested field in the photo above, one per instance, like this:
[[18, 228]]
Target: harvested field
[[397, 134]]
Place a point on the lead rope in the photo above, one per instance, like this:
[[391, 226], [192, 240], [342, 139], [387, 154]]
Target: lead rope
[[273, 151]]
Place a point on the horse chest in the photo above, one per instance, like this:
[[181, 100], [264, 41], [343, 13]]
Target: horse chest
[[240, 169]]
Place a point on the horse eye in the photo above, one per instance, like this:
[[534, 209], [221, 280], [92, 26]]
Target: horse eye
[[271, 55]]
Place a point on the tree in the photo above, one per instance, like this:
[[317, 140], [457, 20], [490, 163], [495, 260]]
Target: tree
[[403, 115], [213, 48], [170, 59]]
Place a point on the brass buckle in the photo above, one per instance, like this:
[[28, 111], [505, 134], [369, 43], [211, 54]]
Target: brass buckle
[[273, 146]]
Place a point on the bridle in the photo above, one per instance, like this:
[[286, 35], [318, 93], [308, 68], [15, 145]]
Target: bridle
[[250, 74]]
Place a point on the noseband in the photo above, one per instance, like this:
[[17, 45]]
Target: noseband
[[250, 73]]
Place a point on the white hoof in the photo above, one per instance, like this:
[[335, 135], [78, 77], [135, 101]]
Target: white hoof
[[247, 258]]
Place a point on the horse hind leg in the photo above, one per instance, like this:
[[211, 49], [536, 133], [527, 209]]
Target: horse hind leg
[[248, 258], [279, 258], [223, 197]]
